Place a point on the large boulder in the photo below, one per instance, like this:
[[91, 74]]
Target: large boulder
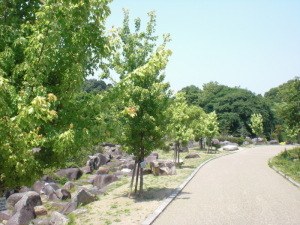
[[87, 169], [63, 194], [49, 188], [103, 180], [24, 210], [81, 198], [70, 173], [40, 210], [34, 199], [58, 219], [102, 170], [192, 155], [163, 167], [38, 186], [230, 148], [69, 185]]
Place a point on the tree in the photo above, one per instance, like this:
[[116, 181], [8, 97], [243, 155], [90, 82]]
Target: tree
[[211, 127], [94, 86], [256, 124], [179, 128], [196, 120], [47, 48], [192, 94], [141, 95]]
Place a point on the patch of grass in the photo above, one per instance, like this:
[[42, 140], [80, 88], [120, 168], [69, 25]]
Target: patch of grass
[[288, 162]]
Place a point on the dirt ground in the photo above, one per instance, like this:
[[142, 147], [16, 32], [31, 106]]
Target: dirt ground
[[116, 208]]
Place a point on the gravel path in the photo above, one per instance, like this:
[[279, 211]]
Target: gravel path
[[239, 189]]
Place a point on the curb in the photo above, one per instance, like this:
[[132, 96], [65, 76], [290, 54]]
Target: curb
[[285, 176], [150, 219]]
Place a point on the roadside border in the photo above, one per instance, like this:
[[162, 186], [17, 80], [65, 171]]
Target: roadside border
[[151, 218], [283, 175]]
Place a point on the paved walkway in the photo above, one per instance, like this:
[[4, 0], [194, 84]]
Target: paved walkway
[[239, 189]]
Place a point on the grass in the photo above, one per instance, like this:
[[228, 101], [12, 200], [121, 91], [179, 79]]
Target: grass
[[288, 162]]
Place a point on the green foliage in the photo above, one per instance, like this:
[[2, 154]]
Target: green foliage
[[289, 163], [211, 126], [256, 124], [140, 95], [94, 86], [192, 94], [47, 48], [238, 140]]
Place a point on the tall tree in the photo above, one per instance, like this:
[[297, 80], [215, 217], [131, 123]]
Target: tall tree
[[47, 48], [211, 127], [179, 129], [140, 94]]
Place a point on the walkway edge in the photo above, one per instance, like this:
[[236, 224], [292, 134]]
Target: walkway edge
[[285, 176], [150, 219]]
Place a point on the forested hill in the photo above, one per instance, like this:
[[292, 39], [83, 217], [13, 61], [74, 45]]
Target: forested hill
[[234, 106]]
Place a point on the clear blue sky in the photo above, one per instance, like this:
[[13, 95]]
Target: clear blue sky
[[252, 44]]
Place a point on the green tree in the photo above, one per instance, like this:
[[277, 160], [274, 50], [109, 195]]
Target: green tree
[[257, 124], [192, 94], [211, 127], [196, 120], [179, 128], [141, 95], [47, 48]]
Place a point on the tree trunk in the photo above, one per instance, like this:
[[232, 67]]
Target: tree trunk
[[137, 177], [132, 178]]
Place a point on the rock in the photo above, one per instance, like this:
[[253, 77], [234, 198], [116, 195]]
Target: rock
[[68, 186], [79, 211], [150, 158], [63, 194], [40, 210], [107, 144], [102, 170], [34, 199], [154, 154], [103, 180], [49, 188], [24, 211], [8, 193], [184, 149], [40, 221], [129, 165], [192, 155], [70, 173], [147, 171], [163, 167], [38, 186], [13, 199], [48, 179], [5, 215], [87, 169], [215, 141], [59, 205], [53, 197], [230, 148], [81, 198], [58, 219], [25, 189], [273, 142]]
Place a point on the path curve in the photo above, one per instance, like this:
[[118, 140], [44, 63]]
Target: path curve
[[236, 189]]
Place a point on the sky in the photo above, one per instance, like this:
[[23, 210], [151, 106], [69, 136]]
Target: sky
[[249, 44]]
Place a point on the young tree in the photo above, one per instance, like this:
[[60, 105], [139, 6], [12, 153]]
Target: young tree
[[256, 124], [179, 128], [140, 94], [47, 48], [211, 127], [196, 120]]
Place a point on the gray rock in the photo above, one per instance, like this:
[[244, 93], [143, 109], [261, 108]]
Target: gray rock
[[23, 212], [13, 199], [103, 170], [192, 155], [273, 142], [49, 188], [53, 197], [40, 210], [163, 167], [81, 198], [58, 219], [230, 148], [38, 186], [87, 169], [5, 215], [63, 194], [48, 179], [40, 221], [68, 186], [70, 173], [150, 158], [103, 180]]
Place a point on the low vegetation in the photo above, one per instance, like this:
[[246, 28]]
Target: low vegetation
[[289, 163]]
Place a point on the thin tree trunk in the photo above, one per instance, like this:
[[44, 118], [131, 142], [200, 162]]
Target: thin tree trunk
[[137, 177], [141, 180], [132, 178]]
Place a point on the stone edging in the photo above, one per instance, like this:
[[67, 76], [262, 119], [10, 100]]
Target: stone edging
[[150, 219], [285, 176]]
